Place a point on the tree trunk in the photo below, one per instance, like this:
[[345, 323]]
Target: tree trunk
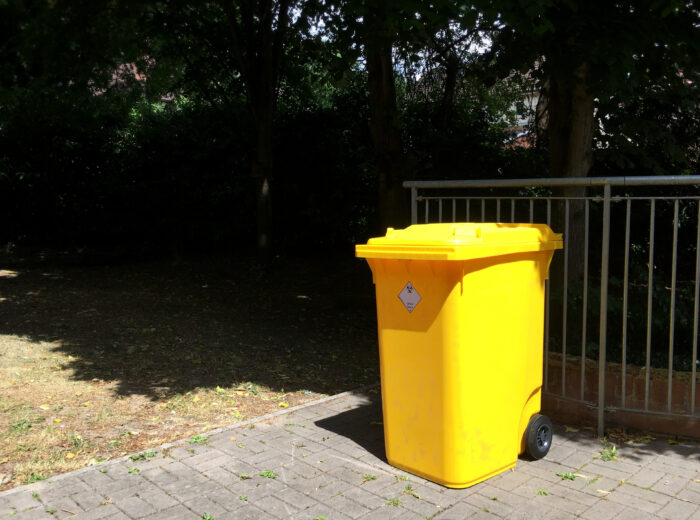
[[447, 103], [384, 127], [261, 172], [570, 132]]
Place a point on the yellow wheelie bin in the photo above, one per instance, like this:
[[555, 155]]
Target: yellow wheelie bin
[[460, 314]]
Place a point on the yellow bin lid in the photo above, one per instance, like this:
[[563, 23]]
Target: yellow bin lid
[[460, 241]]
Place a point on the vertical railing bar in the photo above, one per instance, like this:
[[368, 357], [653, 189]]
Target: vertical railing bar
[[454, 210], [532, 211], [498, 210], [427, 209], [694, 359], [468, 210], [414, 205], [440, 210], [671, 326], [604, 265], [483, 210], [584, 303], [512, 210], [546, 309], [625, 286], [565, 291], [650, 297]]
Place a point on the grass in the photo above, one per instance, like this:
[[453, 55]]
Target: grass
[[100, 362], [268, 474], [609, 452]]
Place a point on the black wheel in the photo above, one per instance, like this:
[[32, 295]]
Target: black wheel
[[538, 436]]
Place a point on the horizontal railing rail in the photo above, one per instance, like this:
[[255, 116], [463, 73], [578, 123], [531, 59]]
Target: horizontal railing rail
[[646, 264]]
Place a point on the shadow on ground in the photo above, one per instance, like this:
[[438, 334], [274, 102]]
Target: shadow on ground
[[362, 425], [163, 328]]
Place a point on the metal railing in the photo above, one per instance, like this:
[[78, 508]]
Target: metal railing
[[643, 268]]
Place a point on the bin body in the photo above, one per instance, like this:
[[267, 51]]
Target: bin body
[[460, 312]]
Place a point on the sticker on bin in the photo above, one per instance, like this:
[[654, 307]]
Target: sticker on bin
[[409, 297]]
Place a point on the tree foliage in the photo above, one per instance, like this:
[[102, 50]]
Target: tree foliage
[[157, 125]]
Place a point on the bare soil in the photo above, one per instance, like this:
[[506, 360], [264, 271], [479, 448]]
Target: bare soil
[[100, 361]]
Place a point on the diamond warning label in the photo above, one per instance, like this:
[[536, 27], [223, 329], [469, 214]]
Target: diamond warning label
[[409, 297]]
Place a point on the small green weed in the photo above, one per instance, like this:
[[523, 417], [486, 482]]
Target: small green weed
[[322, 517], [35, 496], [243, 497], [409, 491], [367, 477], [609, 452], [566, 476], [199, 439], [102, 470], [400, 478], [134, 471], [268, 474], [207, 516], [143, 456], [542, 492], [21, 426], [394, 502], [245, 476], [35, 477], [51, 511]]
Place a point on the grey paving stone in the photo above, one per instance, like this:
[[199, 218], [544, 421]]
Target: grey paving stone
[[201, 505], [297, 498], [603, 509], [135, 507], [606, 469], [636, 514], [631, 501], [511, 479], [577, 459], [88, 500], [32, 514], [158, 498], [645, 477], [678, 510], [347, 506], [319, 510], [98, 513], [276, 507], [458, 511], [178, 512], [670, 484]]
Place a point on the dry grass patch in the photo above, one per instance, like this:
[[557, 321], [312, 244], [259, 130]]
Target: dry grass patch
[[98, 363]]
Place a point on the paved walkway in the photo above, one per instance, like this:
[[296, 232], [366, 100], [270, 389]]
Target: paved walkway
[[326, 462]]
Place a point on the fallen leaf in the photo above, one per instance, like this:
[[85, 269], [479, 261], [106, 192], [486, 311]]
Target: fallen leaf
[[284, 405], [70, 455], [196, 399], [44, 406], [571, 429], [87, 404], [3, 461], [602, 491], [233, 439], [57, 420]]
